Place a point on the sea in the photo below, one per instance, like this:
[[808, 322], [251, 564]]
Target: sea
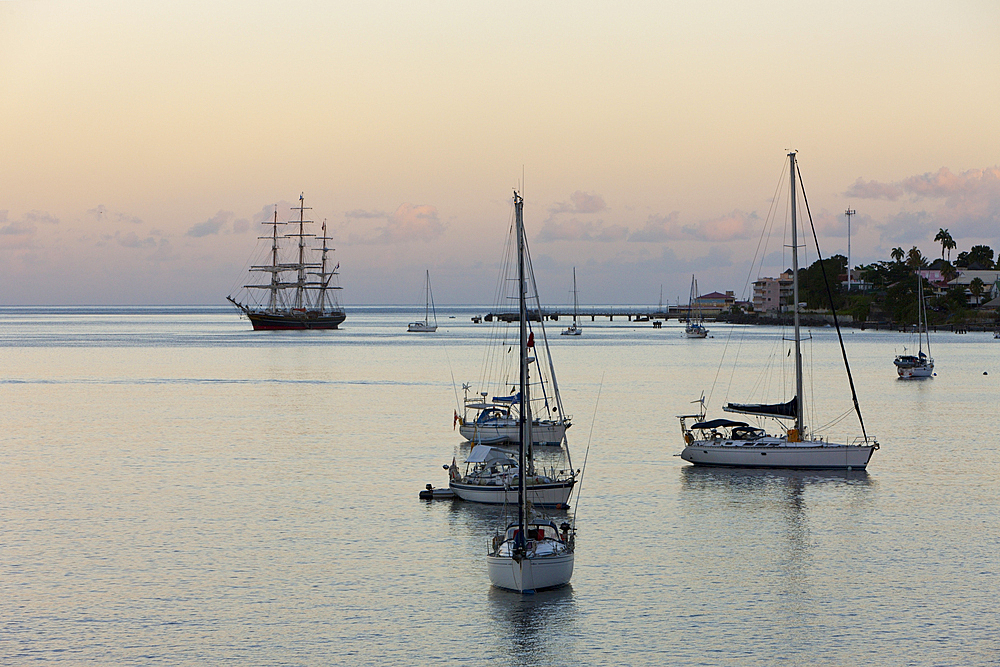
[[177, 489]]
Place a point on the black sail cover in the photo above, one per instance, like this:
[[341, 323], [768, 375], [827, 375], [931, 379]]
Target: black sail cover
[[780, 410]]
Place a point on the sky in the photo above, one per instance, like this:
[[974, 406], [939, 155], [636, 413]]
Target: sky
[[142, 143]]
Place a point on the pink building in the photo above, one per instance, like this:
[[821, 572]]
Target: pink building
[[769, 294]]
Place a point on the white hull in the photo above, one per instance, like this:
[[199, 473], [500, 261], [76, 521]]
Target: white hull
[[917, 372], [541, 495], [530, 574], [421, 327], [703, 333], [820, 456], [541, 433]]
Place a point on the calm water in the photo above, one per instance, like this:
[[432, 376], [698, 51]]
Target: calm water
[[176, 489]]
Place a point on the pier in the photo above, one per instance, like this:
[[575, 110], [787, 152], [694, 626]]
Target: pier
[[629, 313]]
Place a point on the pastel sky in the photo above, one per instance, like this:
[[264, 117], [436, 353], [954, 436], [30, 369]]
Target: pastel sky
[[142, 142]]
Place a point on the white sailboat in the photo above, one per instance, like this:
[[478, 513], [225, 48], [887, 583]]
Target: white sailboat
[[425, 325], [695, 329], [494, 417], [725, 442], [490, 477], [531, 553], [574, 329], [491, 416], [909, 366]]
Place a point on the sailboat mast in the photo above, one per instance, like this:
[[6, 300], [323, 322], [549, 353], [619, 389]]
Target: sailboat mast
[[576, 301], [922, 317], [525, 410], [300, 287], [427, 298], [691, 299], [275, 280], [799, 411], [322, 273]]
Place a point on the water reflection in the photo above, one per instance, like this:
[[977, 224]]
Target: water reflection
[[524, 629], [530, 626], [741, 480], [776, 519]]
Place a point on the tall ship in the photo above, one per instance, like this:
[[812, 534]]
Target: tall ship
[[302, 291]]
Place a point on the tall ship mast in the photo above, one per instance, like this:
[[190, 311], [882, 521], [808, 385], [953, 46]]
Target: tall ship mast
[[299, 294]]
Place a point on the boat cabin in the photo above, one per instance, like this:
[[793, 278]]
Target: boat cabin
[[535, 532], [721, 429]]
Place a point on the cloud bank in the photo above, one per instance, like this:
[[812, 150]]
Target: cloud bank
[[580, 202], [408, 223], [213, 225], [969, 202], [576, 230], [733, 226]]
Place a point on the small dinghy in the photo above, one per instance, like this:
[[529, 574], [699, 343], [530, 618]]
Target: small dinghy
[[430, 493]]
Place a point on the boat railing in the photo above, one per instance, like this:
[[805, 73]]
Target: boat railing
[[861, 441]]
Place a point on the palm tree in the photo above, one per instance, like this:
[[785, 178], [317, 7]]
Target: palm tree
[[949, 273], [945, 238], [914, 258], [950, 244], [977, 287], [898, 254]]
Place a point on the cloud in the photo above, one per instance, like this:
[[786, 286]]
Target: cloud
[[42, 217], [241, 226], [938, 185], [17, 234], [580, 202], [266, 212], [734, 226], [132, 240], [874, 190], [164, 252], [101, 212], [831, 225], [969, 203], [213, 225], [575, 230], [410, 222], [730, 227], [360, 213], [658, 228], [907, 228], [17, 228]]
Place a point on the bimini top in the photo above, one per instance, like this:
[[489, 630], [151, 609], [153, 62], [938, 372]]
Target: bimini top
[[716, 423], [485, 453]]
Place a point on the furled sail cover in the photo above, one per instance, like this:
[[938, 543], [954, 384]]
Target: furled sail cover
[[780, 410], [716, 423]]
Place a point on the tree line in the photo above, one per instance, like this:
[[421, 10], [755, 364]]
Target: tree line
[[891, 287]]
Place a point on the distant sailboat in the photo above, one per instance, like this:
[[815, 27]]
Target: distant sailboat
[[425, 326], [695, 329], [921, 365], [574, 329]]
